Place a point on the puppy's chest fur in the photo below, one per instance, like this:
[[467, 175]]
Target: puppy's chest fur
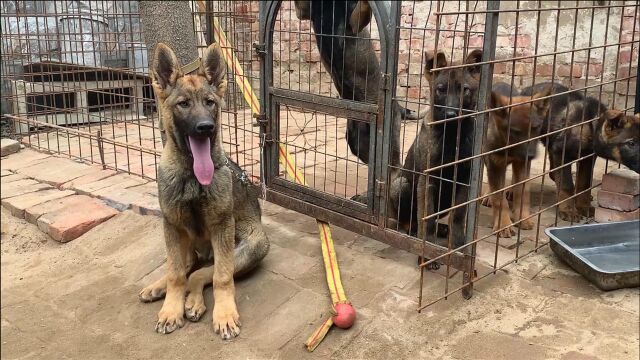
[[191, 206]]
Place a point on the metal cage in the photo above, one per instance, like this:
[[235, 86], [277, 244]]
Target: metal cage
[[403, 117]]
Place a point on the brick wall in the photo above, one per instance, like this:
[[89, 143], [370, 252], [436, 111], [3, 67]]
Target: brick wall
[[297, 62]]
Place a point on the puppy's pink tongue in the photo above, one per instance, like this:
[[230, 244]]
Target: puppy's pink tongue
[[202, 162]]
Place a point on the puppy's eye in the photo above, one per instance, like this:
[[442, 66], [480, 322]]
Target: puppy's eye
[[184, 104], [210, 102], [466, 89], [630, 143]]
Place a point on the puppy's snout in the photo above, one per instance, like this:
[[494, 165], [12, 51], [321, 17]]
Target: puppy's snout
[[450, 114], [204, 127]]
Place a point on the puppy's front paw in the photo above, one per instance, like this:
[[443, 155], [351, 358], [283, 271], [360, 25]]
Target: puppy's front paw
[[226, 321], [169, 321]]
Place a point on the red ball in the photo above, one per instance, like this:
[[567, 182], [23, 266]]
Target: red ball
[[344, 316]]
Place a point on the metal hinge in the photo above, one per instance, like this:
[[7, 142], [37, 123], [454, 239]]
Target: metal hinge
[[260, 49]]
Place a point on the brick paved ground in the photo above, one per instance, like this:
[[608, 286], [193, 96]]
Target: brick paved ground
[[79, 299]]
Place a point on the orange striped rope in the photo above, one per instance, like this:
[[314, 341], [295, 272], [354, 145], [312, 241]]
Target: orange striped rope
[[332, 271]]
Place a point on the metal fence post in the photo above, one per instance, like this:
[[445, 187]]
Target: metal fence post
[[486, 75], [391, 32]]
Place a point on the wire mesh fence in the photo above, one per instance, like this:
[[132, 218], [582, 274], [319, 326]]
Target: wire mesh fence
[[407, 119]]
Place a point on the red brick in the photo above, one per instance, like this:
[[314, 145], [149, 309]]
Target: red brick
[[566, 70], [524, 40], [617, 201], [20, 187], [609, 215], [96, 175], [8, 147], [476, 41], [500, 68], [522, 69], [312, 56], [11, 178], [413, 93], [32, 214], [18, 204], [119, 181], [56, 171], [595, 70], [624, 57], [22, 159], [623, 181], [623, 71], [68, 223], [544, 69]]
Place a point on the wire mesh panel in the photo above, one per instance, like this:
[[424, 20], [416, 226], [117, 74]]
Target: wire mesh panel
[[324, 60], [550, 88], [75, 81]]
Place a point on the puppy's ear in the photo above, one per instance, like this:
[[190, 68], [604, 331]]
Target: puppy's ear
[[474, 57], [166, 67], [542, 105], [614, 121], [303, 9], [498, 101], [213, 68], [432, 61], [360, 16]]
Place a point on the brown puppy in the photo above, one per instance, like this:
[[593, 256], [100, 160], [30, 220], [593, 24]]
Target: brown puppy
[[209, 209], [509, 126]]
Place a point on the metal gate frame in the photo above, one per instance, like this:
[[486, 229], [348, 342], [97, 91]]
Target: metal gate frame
[[368, 221]]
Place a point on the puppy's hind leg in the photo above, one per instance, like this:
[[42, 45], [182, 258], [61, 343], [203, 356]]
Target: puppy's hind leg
[[154, 291], [252, 245], [194, 306]]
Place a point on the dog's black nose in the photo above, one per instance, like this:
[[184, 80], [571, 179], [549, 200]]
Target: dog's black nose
[[450, 114], [204, 127]]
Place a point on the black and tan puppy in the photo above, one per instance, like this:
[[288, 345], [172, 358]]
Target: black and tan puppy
[[347, 53], [618, 138], [515, 120], [439, 142], [209, 210], [590, 129]]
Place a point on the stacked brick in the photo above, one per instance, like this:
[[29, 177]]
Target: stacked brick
[[619, 196]]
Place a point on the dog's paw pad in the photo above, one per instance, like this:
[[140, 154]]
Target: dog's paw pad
[[168, 323], [194, 308], [227, 325], [150, 294]]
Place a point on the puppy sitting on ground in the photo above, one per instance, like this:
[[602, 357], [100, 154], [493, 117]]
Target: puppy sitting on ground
[[209, 209], [509, 126], [439, 142]]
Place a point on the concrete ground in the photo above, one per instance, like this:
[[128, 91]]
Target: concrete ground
[[79, 299]]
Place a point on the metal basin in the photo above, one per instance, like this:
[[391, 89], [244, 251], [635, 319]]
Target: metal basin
[[608, 254]]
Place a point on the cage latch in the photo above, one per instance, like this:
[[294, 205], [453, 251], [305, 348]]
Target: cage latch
[[379, 188], [385, 82], [263, 122], [260, 49]]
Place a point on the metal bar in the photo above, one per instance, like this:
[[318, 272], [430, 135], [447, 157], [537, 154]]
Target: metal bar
[[486, 77], [331, 106], [394, 239], [392, 33]]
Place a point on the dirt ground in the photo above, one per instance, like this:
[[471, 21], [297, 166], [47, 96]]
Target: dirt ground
[[79, 300]]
